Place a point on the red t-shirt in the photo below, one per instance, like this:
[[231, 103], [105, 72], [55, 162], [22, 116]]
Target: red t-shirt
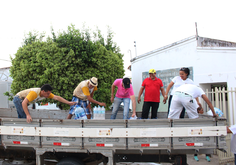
[[152, 89]]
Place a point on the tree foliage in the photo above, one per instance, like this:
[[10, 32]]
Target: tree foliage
[[65, 60]]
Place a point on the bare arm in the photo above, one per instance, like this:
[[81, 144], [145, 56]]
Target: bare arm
[[112, 92], [25, 108], [90, 99], [228, 130], [140, 93], [209, 104], [199, 104], [168, 89], [133, 105], [59, 98], [163, 94]]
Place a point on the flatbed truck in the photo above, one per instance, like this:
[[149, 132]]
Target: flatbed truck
[[90, 142]]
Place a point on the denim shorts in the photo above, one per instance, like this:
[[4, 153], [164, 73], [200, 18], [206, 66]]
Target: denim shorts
[[80, 103]]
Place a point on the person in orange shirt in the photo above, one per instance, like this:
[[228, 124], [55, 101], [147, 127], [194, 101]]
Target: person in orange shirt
[[29, 96]]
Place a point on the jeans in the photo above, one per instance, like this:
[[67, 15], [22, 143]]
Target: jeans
[[18, 104], [116, 105]]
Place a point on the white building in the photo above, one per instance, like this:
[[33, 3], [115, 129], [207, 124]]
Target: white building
[[212, 63]]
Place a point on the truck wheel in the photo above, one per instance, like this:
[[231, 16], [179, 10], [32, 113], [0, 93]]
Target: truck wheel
[[70, 161], [178, 160]]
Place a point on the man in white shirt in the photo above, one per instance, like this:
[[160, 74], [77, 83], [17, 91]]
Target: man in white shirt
[[184, 97], [232, 130]]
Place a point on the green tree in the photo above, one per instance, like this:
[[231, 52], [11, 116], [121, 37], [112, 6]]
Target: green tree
[[65, 60]]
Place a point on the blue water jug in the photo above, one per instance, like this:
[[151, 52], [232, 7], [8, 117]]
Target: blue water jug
[[79, 113]]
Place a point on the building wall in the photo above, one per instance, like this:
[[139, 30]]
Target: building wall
[[210, 64]]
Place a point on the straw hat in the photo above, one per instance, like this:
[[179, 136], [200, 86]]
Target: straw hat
[[94, 81]]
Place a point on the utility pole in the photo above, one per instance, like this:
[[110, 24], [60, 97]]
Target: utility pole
[[196, 31], [135, 48], [129, 51]]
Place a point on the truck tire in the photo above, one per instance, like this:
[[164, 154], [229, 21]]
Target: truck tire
[[70, 161], [178, 160]]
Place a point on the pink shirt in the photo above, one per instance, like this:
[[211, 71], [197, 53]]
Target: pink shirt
[[121, 91]]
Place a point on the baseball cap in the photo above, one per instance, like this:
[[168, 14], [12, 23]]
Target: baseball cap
[[126, 82], [152, 71]]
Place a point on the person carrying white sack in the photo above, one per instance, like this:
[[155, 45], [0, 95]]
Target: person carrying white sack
[[184, 97]]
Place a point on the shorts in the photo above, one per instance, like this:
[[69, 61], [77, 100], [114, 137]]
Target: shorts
[[80, 103]]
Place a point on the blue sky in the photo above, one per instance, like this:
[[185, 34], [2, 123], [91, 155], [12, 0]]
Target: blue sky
[[151, 23]]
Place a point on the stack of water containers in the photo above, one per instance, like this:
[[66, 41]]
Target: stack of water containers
[[99, 113]]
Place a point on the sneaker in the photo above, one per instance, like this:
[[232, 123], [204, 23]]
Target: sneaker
[[208, 158], [196, 158]]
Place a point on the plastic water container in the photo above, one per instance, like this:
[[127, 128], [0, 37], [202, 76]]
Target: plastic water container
[[103, 113], [217, 111], [79, 113], [133, 118], [95, 113], [99, 112]]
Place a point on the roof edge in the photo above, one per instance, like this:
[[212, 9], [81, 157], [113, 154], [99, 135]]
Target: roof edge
[[164, 47]]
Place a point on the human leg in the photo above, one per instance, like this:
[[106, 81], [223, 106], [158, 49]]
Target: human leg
[[146, 109], [169, 102], [116, 105], [72, 108], [18, 104], [234, 159], [195, 157], [84, 105], [191, 108], [126, 102], [182, 113], [175, 107], [208, 157], [155, 106]]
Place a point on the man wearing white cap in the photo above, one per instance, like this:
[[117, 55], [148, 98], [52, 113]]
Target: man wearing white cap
[[152, 86], [184, 97], [83, 94]]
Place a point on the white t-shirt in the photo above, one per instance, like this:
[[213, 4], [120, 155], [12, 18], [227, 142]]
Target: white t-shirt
[[178, 82], [233, 139], [191, 89]]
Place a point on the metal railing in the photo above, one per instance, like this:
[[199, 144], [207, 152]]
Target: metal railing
[[224, 99]]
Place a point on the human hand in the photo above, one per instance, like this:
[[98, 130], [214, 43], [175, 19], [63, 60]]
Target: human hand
[[102, 104], [139, 100], [164, 101], [112, 99], [133, 114], [215, 115], [28, 119], [166, 97]]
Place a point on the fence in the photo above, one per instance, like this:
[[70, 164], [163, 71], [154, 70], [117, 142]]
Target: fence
[[225, 101]]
